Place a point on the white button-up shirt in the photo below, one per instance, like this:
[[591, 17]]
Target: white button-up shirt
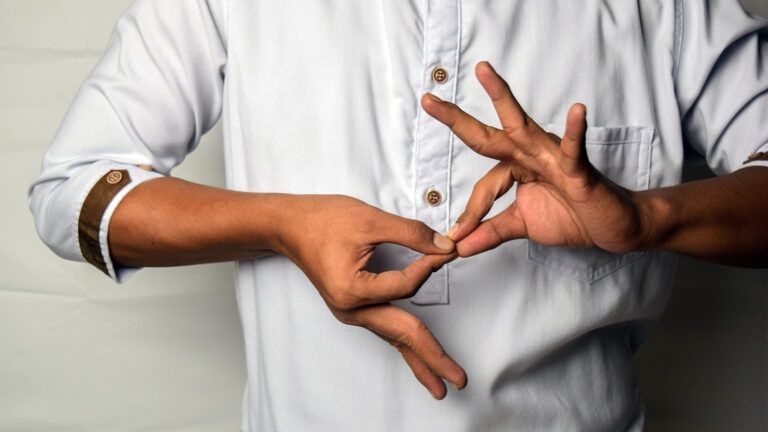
[[321, 97]]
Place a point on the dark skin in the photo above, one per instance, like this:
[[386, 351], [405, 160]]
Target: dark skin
[[331, 238], [561, 200]]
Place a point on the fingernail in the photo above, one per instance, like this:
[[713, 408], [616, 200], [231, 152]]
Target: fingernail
[[452, 231], [456, 387], [430, 96], [434, 395], [443, 242]]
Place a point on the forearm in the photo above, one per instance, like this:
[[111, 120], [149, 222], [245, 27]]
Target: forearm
[[721, 219], [169, 221]]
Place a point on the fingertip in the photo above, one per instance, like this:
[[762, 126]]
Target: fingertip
[[438, 394], [485, 64], [465, 250], [443, 243], [451, 233], [428, 100], [455, 374], [483, 72], [578, 111], [461, 381]]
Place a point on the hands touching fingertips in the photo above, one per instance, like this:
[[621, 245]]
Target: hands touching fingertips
[[561, 198], [332, 239]]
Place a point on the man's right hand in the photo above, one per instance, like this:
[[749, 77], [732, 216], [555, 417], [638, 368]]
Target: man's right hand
[[169, 222], [331, 238]]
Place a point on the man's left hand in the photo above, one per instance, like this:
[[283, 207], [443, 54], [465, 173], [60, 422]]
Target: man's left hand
[[562, 199]]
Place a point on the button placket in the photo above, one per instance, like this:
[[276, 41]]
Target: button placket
[[434, 140]]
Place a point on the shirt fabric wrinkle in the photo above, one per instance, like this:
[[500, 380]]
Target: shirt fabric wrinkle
[[541, 331]]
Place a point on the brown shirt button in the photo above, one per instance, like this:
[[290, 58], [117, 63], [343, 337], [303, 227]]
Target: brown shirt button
[[433, 197], [114, 177], [440, 75]]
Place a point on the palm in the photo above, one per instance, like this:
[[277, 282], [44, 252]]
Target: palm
[[547, 216]]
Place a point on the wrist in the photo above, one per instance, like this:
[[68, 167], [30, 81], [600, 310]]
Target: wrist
[[657, 218], [269, 219]]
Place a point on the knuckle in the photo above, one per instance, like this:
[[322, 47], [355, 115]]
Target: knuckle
[[469, 215], [404, 341], [481, 187], [419, 229], [347, 317], [342, 301], [398, 345], [413, 288], [417, 330], [482, 184]]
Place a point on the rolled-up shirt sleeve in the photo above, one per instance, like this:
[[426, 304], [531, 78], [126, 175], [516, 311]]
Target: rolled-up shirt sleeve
[[722, 83], [144, 107]]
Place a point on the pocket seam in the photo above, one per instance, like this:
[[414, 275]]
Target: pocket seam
[[588, 275]]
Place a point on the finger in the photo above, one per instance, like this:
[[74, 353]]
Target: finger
[[405, 330], [374, 288], [413, 234], [420, 370], [484, 139], [505, 226], [487, 190], [511, 114], [574, 140], [424, 374]]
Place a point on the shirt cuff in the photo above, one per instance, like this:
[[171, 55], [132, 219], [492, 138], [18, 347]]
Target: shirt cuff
[[758, 158], [95, 214]]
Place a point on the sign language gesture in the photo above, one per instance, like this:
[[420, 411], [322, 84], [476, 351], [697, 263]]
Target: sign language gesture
[[332, 238], [561, 198]]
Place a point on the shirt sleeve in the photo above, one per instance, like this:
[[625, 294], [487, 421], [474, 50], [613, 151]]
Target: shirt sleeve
[[721, 78], [145, 105]]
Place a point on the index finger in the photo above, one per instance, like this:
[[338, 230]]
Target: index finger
[[484, 139]]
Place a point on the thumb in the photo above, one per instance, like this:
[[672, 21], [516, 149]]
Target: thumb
[[574, 139], [487, 190], [413, 234], [505, 226]]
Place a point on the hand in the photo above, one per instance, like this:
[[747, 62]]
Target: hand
[[332, 238], [562, 199]]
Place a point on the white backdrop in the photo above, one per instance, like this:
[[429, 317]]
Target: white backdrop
[[163, 352]]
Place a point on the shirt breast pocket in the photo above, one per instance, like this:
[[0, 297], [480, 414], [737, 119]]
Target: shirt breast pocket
[[623, 154]]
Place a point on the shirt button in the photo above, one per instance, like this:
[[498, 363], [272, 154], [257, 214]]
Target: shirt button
[[114, 177], [433, 197], [440, 75]]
